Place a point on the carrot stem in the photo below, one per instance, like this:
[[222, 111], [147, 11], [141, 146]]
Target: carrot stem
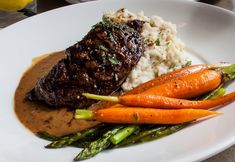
[[229, 71], [101, 98], [83, 114]]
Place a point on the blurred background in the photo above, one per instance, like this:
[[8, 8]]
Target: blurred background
[[12, 11]]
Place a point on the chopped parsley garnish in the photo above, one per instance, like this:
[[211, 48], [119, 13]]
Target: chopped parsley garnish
[[103, 55], [168, 43], [114, 60], [146, 40], [111, 37], [188, 63], [135, 116], [103, 48], [157, 42]]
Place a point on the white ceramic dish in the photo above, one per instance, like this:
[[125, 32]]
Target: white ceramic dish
[[207, 31]]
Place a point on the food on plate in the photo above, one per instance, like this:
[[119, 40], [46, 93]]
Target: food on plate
[[103, 60], [201, 82], [143, 115], [117, 113], [99, 63], [177, 74], [190, 86], [135, 62], [101, 142], [121, 114], [39, 117], [163, 50]]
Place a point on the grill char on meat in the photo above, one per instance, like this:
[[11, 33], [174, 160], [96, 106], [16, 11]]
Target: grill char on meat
[[98, 64]]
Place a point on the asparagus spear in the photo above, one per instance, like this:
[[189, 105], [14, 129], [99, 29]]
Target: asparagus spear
[[84, 142], [67, 140], [123, 133], [47, 136], [81, 144], [162, 133], [220, 92], [135, 138], [98, 145]]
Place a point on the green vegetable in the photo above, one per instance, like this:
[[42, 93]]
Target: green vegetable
[[146, 40], [106, 24], [111, 37], [67, 140], [136, 117], [157, 42], [188, 63], [220, 92], [114, 60], [162, 133], [103, 48], [123, 133], [47, 136], [101, 97], [136, 138], [83, 114], [229, 71], [98, 145], [81, 144]]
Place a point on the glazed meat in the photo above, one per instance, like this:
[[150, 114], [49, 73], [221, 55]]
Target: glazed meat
[[98, 64]]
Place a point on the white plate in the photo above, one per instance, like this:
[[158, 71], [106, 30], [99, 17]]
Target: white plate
[[207, 31]]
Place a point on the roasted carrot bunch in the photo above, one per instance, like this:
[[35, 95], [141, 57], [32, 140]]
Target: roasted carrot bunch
[[164, 100]]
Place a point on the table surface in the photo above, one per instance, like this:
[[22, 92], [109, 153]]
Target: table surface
[[44, 5]]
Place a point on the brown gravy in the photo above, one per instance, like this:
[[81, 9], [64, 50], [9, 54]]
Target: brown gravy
[[38, 117]]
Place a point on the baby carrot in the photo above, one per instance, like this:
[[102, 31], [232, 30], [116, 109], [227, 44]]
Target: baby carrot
[[136, 115], [177, 74], [162, 102], [167, 77], [189, 86]]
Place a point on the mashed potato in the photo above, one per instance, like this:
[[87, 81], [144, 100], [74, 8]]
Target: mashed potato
[[163, 50]]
